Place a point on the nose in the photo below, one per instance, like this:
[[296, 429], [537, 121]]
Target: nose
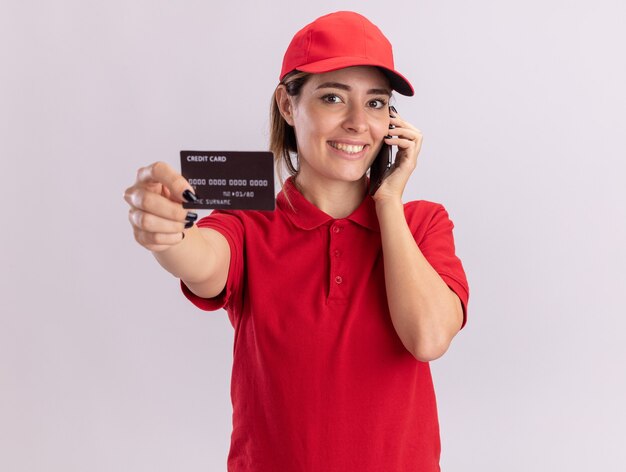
[[356, 119]]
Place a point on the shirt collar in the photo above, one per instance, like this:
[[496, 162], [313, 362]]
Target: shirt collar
[[307, 216]]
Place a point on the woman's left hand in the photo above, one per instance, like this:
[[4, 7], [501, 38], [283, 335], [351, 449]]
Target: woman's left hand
[[409, 141]]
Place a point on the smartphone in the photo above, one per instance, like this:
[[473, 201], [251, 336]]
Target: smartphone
[[380, 168]]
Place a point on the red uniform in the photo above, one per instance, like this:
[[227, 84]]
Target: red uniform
[[321, 381]]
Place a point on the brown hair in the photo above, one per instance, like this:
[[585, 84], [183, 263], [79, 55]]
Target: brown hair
[[283, 142]]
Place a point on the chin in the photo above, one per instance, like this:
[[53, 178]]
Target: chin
[[353, 177]]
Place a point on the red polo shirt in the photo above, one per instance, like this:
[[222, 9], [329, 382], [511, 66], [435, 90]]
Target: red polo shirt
[[321, 381]]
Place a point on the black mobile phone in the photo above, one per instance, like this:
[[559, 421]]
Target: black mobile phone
[[380, 168]]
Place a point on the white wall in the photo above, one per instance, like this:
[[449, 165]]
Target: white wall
[[105, 366]]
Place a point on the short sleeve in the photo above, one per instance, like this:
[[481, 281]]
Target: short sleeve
[[432, 229], [229, 224]]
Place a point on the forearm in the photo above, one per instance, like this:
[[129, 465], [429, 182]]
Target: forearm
[[425, 312], [192, 260]]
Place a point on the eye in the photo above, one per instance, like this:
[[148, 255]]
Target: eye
[[331, 98], [377, 103]]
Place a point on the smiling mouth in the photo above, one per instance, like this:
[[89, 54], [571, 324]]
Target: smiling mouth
[[349, 148]]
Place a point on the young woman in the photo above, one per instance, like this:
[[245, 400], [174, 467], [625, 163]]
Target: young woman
[[339, 299]]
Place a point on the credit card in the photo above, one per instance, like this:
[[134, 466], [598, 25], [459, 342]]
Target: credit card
[[231, 180]]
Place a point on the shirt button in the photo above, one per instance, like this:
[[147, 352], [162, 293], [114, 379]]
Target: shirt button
[[336, 229], [337, 253], [338, 280]]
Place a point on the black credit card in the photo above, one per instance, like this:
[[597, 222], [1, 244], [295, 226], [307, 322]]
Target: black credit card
[[232, 180]]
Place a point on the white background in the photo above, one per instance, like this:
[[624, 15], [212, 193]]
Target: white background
[[104, 366]]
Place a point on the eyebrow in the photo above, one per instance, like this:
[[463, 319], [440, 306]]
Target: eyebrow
[[339, 85]]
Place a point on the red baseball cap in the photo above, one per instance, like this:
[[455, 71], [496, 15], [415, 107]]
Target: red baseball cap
[[342, 39]]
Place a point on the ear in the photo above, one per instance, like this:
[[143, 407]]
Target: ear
[[285, 106]]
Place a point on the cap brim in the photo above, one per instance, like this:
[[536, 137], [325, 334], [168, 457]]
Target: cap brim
[[397, 81]]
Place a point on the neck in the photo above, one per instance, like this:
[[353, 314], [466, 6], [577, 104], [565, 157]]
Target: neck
[[336, 199]]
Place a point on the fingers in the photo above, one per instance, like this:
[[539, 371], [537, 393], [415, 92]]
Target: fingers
[[156, 212], [406, 136], [152, 223], [157, 233], [162, 173], [400, 129], [154, 203], [158, 242]]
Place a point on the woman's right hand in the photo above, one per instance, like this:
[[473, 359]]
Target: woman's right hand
[[156, 211]]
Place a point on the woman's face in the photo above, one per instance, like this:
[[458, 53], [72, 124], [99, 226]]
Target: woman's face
[[340, 119]]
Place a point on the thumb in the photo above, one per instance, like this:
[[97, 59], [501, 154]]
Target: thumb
[[174, 186]]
